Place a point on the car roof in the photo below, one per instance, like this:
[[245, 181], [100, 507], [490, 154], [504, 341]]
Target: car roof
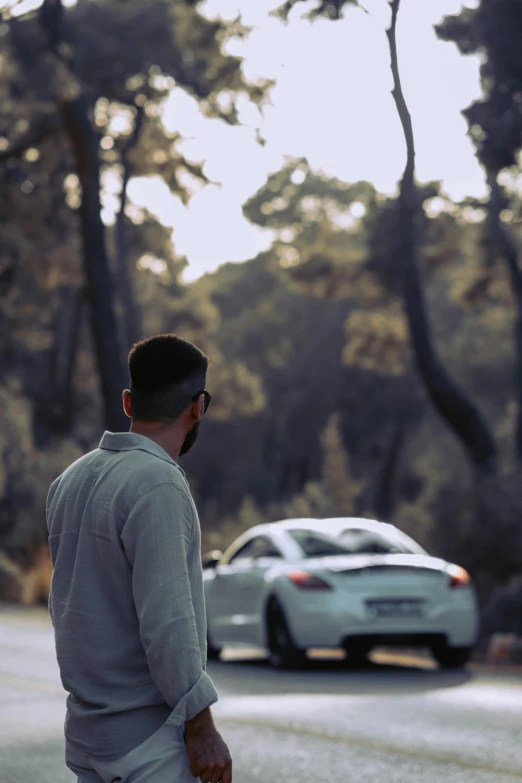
[[337, 526], [333, 526]]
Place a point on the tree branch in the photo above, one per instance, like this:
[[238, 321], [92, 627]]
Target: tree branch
[[7, 8], [457, 410], [398, 95]]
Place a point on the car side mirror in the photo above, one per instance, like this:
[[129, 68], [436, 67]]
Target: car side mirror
[[211, 559]]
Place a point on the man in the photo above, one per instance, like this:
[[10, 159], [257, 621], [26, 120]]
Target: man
[[127, 599]]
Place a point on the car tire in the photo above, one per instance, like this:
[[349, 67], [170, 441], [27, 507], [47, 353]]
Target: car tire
[[357, 656], [452, 657], [283, 653], [213, 652]]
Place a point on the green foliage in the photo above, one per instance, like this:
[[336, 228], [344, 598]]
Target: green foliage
[[493, 30], [330, 9], [25, 474], [334, 494], [317, 223], [339, 486], [377, 340]]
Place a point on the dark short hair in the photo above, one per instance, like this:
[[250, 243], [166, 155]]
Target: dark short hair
[[166, 372]]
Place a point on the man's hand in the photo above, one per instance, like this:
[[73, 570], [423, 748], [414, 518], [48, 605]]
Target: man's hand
[[208, 754]]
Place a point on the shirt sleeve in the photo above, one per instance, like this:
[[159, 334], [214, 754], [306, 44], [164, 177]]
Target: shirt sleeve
[[157, 537]]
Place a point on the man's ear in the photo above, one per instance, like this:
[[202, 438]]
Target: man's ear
[[197, 408], [127, 403]]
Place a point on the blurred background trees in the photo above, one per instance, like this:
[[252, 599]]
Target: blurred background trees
[[494, 31], [327, 386], [83, 90]]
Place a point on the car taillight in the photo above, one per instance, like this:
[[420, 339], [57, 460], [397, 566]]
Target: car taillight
[[459, 577], [305, 581]]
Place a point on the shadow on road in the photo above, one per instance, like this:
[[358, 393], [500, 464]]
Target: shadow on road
[[254, 676], [247, 672]]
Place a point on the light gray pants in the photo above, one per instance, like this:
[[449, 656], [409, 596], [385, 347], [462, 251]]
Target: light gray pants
[[160, 759]]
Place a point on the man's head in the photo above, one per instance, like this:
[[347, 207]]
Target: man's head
[[167, 389]]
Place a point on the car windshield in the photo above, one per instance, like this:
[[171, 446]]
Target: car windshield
[[352, 542]]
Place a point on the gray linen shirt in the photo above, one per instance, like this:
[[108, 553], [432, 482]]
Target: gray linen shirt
[[127, 599]]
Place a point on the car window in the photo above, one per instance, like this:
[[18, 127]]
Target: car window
[[246, 552], [271, 550], [367, 542], [316, 545], [255, 548], [351, 542]]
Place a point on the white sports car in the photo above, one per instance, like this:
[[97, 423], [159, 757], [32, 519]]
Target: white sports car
[[354, 583]]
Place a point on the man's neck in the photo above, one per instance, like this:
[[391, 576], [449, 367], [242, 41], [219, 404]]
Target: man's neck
[[167, 436]]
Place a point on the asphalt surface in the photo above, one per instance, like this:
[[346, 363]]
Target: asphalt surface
[[394, 722]]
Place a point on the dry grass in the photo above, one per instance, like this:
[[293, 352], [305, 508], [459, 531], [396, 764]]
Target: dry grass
[[26, 586]]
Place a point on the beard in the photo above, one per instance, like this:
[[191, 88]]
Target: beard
[[190, 439]]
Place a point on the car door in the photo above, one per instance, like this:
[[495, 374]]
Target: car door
[[222, 599], [266, 555], [232, 602]]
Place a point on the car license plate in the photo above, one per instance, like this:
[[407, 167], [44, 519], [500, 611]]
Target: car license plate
[[395, 607]]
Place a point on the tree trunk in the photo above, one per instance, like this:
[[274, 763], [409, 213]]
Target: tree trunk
[[67, 338], [84, 141], [385, 495], [449, 400], [131, 316], [54, 409], [508, 247]]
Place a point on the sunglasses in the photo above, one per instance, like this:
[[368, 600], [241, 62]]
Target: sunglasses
[[207, 396]]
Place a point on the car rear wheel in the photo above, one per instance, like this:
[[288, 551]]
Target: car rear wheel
[[357, 655], [282, 651], [452, 657]]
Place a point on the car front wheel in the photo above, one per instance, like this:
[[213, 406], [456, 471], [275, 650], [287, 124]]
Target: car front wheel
[[282, 651], [213, 652]]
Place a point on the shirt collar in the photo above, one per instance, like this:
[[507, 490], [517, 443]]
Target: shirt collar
[[129, 441]]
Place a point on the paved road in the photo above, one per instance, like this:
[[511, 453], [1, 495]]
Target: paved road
[[389, 724]]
